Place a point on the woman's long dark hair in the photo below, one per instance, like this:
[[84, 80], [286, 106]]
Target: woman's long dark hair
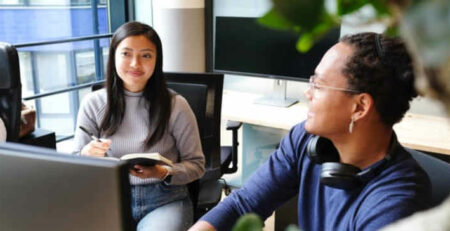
[[155, 92]]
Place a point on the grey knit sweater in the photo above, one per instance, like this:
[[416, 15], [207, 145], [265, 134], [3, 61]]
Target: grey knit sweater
[[180, 143]]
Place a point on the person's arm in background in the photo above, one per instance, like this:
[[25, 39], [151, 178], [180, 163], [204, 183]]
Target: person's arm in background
[[271, 185], [2, 131]]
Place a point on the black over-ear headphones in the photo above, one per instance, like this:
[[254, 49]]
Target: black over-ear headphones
[[339, 175]]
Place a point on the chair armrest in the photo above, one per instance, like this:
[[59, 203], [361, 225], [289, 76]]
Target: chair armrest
[[233, 125]]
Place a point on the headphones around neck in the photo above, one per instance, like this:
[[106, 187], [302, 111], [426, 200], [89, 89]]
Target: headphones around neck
[[339, 175]]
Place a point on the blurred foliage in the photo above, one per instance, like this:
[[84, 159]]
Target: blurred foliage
[[423, 24], [249, 222], [252, 222]]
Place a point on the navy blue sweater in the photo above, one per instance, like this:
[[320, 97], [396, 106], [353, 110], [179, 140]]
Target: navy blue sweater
[[400, 188]]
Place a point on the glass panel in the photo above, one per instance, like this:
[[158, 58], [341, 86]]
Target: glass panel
[[52, 71], [26, 74], [27, 23], [82, 93], [56, 113], [46, 68], [85, 67], [105, 60], [11, 2], [49, 2]]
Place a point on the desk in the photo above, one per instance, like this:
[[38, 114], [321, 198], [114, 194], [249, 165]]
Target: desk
[[421, 132], [40, 138]]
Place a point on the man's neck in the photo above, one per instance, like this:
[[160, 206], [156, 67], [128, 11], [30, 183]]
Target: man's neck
[[363, 147]]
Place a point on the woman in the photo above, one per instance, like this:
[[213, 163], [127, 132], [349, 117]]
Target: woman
[[352, 174], [138, 114]]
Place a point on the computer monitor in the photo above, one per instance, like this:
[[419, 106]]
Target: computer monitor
[[41, 189], [245, 47]]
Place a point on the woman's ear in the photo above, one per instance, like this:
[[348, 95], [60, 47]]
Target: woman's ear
[[363, 105]]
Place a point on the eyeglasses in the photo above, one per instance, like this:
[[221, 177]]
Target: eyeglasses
[[315, 87]]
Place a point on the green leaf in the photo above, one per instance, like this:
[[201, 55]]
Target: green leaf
[[305, 42], [304, 13], [308, 38], [274, 20], [349, 6], [381, 7], [248, 222], [392, 31], [292, 228]]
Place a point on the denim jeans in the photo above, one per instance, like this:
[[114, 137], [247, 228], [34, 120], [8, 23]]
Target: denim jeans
[[161, 207]]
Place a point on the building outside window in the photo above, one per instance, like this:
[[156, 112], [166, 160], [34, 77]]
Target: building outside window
[[45, 68]]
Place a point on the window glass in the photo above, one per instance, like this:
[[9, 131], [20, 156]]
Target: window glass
[[26, 74], [85, 62], [56, 113], [11, 2], [52, 70], [28, 23], [105, 59], [48, 68]]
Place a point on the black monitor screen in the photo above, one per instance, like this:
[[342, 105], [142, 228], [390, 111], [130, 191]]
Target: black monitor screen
[[243, 46], [44, 190]]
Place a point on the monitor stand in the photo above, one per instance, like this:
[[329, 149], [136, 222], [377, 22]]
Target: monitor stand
[[278, 96]]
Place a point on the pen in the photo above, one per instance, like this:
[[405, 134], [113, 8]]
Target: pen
[[89, 134]]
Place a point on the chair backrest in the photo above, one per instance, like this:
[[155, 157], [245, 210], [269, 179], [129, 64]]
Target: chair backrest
[[203, 91], [438, 171], [10, 91], [196, 95]]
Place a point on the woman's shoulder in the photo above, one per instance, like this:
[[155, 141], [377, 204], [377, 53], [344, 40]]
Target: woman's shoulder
[[179, 103], [95, 100]]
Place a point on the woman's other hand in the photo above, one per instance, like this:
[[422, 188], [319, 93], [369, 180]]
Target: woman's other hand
[[156, 171], [96, 148]]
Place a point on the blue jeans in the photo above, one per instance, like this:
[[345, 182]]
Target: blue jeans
[[161, 207]]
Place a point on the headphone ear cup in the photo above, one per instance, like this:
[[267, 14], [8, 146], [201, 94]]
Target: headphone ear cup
[[321, 150], [339, 175], [311, 149]]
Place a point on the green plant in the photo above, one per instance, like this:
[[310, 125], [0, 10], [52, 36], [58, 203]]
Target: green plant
[[252, 222], [423, 24]]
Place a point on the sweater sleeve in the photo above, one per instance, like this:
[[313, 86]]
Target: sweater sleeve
[[87, 117], [275, 182], [183, 126]]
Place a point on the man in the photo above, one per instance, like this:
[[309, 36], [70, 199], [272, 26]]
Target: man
[[365, 179]]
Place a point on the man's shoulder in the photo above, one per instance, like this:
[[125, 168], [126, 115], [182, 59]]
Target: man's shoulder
[[403, 181]]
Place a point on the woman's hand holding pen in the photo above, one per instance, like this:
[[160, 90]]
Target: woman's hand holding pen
[[96, 148], [156, 171]]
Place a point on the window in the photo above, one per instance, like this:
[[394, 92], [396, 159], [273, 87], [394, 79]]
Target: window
[[45, 68]]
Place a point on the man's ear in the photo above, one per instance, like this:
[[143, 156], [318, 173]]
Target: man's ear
[[363, 105]]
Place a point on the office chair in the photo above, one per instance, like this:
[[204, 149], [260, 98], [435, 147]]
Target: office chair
[[438, 171], [203, 91], [10, 91]]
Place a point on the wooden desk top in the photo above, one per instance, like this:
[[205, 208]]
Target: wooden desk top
[[416, 131]]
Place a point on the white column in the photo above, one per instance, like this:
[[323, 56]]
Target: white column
[[181, 26]]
